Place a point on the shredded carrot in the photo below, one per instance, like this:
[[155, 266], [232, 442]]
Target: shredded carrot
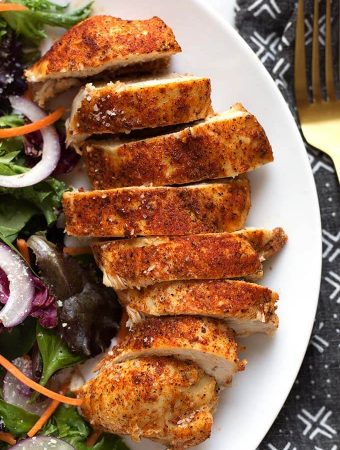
[[37, 387], [43, 418], [12, 7], [48, 412], [123, 329], [34, 126], [93, 438], [23, 249], [8, 438], [77, 251]]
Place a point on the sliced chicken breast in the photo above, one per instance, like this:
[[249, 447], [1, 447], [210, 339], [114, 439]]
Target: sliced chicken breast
[[266, 242], [133, 105], [224, 145], [207, 342], [97, 45], [141, 262], [163, 399], [213, 207], [245, 307]]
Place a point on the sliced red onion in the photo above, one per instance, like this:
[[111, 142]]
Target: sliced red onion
[[50, 149], [21, 288], [43, 442], [17, 393]]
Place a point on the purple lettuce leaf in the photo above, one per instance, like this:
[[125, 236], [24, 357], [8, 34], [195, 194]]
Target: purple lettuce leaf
[[44, 306], [12, 81]]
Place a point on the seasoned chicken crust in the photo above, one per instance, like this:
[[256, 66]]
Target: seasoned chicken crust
[[207, 342], [246, 307], [224, 145], [163, 399], [214, 207], [104, 42], [265, 242], [140, 262], [133, 105]]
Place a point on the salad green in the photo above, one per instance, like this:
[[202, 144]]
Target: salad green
[[14, 215], [10, 148], [19, 340], [67, 424], [45, 196], [54, 352], [19, 205], [17, 421], [10, 121], [30, 24], [66, 292]]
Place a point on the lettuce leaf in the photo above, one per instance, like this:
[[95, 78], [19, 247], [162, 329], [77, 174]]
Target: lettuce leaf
[[30, 24], [44, 196], [19, 340], [14, 215], [91, 317], [10, 148], [16, 420], [18, 206], [109, 442], [11, 121], [54, 352], [67, 424]]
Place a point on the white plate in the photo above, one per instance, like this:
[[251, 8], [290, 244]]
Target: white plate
[[283, 193]]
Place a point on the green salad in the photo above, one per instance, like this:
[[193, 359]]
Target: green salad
[[55, 314]]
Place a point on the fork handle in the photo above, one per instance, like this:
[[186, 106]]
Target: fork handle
[[336, 161]]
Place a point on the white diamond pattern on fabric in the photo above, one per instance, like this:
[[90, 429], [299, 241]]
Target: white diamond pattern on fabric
[[259, 7], [267, 46]]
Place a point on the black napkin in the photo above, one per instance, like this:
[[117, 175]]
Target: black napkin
[[310, 418]]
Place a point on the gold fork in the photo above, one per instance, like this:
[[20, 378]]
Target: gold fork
[[319, 118]]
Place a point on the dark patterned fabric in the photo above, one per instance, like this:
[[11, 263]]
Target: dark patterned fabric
[[310, 418]]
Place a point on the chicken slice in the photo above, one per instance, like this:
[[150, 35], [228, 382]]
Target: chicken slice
[[224, 145], [163, 399], [113, 108], [266, 242], [245, 307], [157, 211], [98, 45], [207, 342], [140, 262]]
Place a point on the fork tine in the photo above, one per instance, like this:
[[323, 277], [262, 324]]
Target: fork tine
[[300, 77], [315, 55], [329, 54]]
